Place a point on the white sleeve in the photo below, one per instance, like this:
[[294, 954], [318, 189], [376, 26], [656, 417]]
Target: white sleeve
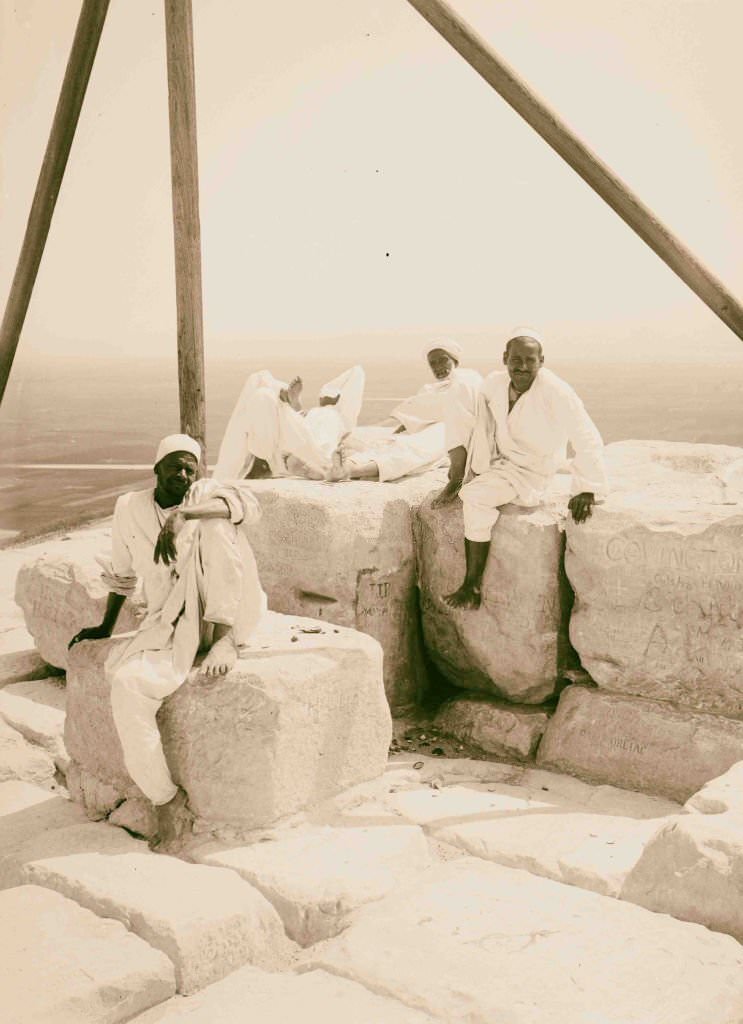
[[588, 466], [118, 573], [459, 415]]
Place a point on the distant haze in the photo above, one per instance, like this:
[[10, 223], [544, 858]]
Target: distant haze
[[363, 190]]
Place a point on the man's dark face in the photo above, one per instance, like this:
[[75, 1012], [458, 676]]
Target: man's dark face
[[441, 363], [175, 474], [523, 359]]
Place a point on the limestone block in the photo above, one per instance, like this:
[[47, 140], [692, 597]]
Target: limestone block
[[650, 746], [38, 723], [302, 716], [49, 691], [693, 869], [59, 596], [21, 760], [477, 942], [98, 798], [344, 553], [59, 963], [515, 645], [206, 920], [262, 998], [27, 811], [315, 876], [495, 727], [658, 577], [725, 793], [20, 665]]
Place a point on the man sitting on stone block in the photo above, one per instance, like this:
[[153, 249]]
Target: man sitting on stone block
[[422, 433], [181, 540], [526, 417]]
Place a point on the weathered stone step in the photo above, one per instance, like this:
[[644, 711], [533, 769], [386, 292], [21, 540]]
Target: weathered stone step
[[476, 942], [639, 744], [28, 811], [61, 964], [206, 920], [315, 877], [250, 996], [20, 759], [37, 722]]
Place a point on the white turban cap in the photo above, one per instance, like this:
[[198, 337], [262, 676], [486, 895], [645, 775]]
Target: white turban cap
[[450, 347], [524, 332], [178, 443]]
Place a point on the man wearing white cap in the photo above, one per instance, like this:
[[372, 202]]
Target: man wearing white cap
[[526, 417], [199, 579], [426, 424]]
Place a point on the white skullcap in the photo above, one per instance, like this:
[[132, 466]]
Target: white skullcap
[[178, 443], [450, 347], [524, 332]]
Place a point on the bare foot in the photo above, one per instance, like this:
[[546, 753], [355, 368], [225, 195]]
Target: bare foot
[[467, 597], [174, 824], [337, 469], [220, 658], [292, 393]]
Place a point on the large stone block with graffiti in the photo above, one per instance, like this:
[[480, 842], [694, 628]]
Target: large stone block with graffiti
[[658, 576], [344, 553]]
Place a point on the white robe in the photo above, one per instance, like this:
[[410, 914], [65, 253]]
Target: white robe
[[262, 426], [529, 444]]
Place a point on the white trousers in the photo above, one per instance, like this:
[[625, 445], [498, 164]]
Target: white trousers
[[481, 501], [163, 652], [404, 454]]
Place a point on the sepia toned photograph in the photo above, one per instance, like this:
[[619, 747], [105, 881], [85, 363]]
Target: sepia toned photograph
[[371, 512]]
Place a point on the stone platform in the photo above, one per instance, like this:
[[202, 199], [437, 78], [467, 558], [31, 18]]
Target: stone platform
[[302, 716]]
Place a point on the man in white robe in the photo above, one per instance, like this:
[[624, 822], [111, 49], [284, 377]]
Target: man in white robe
[[268, 435], [526, 417], [422, 430], [181, 540]]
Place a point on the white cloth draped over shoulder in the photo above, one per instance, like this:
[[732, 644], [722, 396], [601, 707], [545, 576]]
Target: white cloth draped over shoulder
[[529, 444], [262, 426], [430, 403]]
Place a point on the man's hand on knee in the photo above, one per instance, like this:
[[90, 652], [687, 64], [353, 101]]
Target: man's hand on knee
[[90, 633], [165, 547], [581, 506]]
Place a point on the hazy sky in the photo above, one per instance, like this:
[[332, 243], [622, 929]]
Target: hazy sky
[[357, 176]]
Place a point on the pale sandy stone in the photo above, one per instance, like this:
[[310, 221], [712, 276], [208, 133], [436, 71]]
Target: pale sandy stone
[[60, 964], [261, 998], [296, 721], [638, 744], [495, 727], [38, 723], [27, 811], [592, 851], [21, 665], [658, 576], [725, 793], [344, 553], [50, 691], [480, 943], [97, 797], [315, 876], [693, 869], [206, 920], [136, 815], [515, 645], [19, 759], [60, 595]]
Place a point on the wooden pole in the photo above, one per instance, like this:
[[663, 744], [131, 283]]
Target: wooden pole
[[71, 96], [186, 227], [478, 53]]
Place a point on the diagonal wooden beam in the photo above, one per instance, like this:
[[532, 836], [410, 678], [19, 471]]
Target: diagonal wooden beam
[[184, 170], [71, 96], [479, 54]]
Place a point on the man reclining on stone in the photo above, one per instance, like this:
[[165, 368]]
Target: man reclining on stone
[[269, 435], [424, 427], [526, 417], [201, 588]]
